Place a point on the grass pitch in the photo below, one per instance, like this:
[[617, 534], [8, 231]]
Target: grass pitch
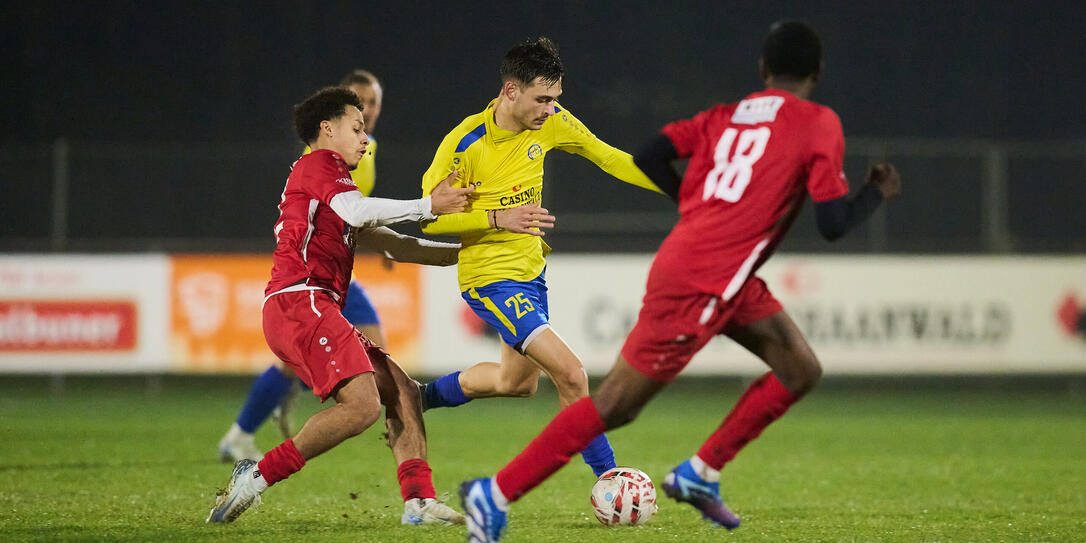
[[115, 459]]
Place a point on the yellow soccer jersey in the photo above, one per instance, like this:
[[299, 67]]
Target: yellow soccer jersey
[[365, 175], [506, 169]]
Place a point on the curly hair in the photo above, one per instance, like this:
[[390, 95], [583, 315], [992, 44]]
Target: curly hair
[[326, 104]]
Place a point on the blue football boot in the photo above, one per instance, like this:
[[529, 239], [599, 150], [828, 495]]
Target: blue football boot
[[684, 485], [486, 522]]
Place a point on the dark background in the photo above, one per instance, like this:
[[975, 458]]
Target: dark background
[[177, 116]]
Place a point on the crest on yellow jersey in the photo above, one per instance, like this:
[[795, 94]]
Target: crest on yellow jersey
[[535, 151]]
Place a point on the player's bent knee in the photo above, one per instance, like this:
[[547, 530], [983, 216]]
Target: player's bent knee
[[617, 416], [572, 380], [805, 374], [362, 415]]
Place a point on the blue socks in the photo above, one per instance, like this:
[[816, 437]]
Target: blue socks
[[445, 392], [264, 396], [599, 455]]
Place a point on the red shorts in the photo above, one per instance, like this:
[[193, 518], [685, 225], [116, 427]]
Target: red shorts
[[306, 330], [670, 329]]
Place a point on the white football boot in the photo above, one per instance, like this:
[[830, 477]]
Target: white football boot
[[429, 511], [240, 494], [238, 445]]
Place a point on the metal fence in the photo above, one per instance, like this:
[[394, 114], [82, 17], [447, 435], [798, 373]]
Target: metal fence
[[961, 196]]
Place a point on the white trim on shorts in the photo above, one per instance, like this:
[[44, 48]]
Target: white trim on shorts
[[532, 335], [298, 288]]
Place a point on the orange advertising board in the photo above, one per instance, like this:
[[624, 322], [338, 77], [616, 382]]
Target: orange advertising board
[[216, 299]]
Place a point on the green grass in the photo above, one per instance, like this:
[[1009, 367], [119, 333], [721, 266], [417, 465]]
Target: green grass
[[111, 459]]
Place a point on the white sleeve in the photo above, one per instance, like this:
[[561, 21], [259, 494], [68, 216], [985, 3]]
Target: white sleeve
[[403, 248], [361, 211]]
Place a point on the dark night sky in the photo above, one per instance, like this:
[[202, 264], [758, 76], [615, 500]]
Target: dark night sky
[[121, 80], [204, 71]]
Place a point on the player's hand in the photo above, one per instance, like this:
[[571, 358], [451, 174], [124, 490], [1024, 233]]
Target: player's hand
[[525, 219], [885, 177], [445, 198]]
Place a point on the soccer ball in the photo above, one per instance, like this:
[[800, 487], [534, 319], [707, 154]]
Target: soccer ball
[[624, 496]]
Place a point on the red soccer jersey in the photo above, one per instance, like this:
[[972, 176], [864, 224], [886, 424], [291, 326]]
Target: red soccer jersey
[[751, 164], [314, 246]]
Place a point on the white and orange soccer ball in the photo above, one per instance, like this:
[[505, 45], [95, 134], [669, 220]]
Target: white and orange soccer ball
[[624, 496]]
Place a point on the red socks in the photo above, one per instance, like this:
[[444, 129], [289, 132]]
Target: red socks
[[415, 479], [568, 434], [281, 462], [764, 402], [414, 475]]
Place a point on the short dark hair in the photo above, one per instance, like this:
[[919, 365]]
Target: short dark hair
[[325, 105], [530, 59], [792, 49], [359, 77]]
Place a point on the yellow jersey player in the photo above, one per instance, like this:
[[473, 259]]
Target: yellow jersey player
[[500, 152]]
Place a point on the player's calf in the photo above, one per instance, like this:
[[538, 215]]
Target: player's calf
[[520, 388]]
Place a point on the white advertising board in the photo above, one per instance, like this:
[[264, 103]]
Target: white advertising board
[[83, 313], [862, 314]]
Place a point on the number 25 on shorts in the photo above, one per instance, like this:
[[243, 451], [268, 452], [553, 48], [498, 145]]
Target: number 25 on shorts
[[521, 304]]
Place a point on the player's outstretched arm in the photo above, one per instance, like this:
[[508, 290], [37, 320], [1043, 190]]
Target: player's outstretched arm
[[838, 216], [361, 211], [619, 164], [404, 248], [573, 136]]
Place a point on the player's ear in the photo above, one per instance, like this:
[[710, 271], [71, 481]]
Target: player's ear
[[326, 128], [510, 89]]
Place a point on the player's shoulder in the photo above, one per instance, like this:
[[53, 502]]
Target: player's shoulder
[[810, 111], [321, 162], [822, 118], [719, 111], [469, 131], [708, 119], [563, 125], [778, 106], [560, 116]]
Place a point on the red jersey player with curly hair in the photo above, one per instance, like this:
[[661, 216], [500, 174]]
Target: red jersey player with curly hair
[[320, 214]]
